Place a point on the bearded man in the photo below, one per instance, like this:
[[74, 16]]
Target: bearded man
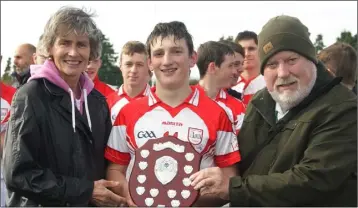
[[298, 141]]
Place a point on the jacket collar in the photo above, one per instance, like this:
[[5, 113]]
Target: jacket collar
[[63, 105], [53, 89]]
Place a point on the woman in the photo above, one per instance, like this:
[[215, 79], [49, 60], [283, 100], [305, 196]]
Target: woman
[[59, 125]]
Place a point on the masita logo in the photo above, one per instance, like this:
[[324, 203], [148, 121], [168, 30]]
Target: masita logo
[[172, 123]]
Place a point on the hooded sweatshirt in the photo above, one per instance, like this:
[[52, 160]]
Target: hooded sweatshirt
[[50, 72]]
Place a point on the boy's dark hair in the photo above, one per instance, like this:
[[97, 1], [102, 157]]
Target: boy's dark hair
[[175, 28], [341, 59], [234, 46], [211, 51], [246, 35]]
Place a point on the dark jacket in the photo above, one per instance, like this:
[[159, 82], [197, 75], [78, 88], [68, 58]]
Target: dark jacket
[[308, 158], [355, 89], [48, 162], [22, 78]]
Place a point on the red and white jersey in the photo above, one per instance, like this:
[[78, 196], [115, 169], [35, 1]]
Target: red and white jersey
[[7, 92], [198, 120], [249, 87], [102, 87], [117, 100], [233, 107]]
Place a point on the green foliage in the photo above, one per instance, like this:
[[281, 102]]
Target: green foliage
[[229, 38], [319, 45], [347, 37], [109, 71], [6, 77]]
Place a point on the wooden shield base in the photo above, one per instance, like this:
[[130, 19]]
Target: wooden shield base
[[145, 187]]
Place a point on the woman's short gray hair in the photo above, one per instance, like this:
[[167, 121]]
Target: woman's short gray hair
[[76, 20]]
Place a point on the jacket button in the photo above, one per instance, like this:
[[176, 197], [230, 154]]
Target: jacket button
[[68, 204]]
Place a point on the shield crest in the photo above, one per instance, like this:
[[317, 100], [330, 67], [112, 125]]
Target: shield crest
[[165, 169], [164, 181]]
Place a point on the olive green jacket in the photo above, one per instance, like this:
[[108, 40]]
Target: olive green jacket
[[309, 157]]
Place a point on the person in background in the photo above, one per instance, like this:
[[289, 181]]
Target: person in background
[[39, 57], [92, 71], [250, 80], [217, 64], [136, 75], [341, 61], [239, 62], [23, 58]]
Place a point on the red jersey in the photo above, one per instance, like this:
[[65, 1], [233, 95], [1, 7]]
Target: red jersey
[[233, 107], [102, 87], [198, 120], [7, 92], [249, 87], [117, 100]]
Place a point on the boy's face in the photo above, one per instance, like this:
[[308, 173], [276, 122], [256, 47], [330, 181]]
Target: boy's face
[[239, 63], [135, 69], [226, 71], [251, 60], [170, 61]]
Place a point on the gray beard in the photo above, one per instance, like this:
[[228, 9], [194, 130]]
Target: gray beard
[[295, 98]]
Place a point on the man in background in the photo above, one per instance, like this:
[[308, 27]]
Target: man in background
[[250, 81], [216, 64], [136, 75], [341, 61], [39, 57], [92, 71], [23, 58], [238, 64]]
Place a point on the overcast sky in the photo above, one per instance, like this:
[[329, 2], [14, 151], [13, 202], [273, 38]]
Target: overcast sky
[[23, 22]]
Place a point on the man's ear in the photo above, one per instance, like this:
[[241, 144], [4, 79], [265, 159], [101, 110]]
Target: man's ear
[[150, 66], [211, 68], [193, 59]]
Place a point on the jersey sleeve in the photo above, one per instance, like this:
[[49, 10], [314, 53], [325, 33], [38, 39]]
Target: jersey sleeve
[[226, 147], [117, 150]]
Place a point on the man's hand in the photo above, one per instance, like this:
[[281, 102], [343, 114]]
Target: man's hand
[[211, 181], [102, 196]]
